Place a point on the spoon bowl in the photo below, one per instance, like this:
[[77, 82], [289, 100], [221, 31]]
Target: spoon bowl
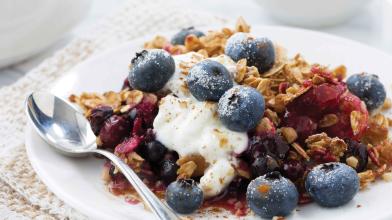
[[60, 124]]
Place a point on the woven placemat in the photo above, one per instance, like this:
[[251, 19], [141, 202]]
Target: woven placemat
[[22, 194]]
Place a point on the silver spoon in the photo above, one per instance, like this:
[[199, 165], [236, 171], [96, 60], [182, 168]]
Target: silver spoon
[[63, 127]]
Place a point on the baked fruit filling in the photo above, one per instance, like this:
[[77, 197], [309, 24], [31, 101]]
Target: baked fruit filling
[[226, 120]]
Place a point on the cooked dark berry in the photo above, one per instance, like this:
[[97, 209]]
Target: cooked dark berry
[[271, 144], [171, 155], [293, 169], [168, 171], [98, 116], [114, 130], [359, 151], [179, 38], [155, 151], [303, 125], [264, 164]]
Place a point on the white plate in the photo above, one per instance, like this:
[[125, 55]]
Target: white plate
[[78, 183]]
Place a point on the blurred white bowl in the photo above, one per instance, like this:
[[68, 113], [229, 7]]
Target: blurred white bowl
[[312, 13], [28, 26]]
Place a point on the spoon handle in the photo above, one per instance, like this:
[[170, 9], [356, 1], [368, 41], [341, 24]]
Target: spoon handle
[[161, 210]]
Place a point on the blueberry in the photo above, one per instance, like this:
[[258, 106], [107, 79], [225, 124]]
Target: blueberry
[[258, 52], [98, 116], [179, 38], [264, 164], [114, 130], [241, 108], [357, 150], [208, 80], [155, 151], [293, 169], [368, 88], [184, 196], [168, 171], [150, 70], [332, 184], [272, 195]]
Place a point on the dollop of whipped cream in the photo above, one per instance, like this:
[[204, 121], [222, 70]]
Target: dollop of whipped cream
[[190, 127]]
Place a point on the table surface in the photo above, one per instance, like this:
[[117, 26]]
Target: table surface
[[372, 26]]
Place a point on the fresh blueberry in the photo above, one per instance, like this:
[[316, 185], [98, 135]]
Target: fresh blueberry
[[184, 196], [332, 184], [150, 70], [258, 52], [168, 171], [155, 151], [208, 80], [272, 195], [368, 88], [179, 38], [241, 108]]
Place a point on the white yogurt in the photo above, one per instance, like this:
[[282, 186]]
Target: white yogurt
[[188, 127], [192, 127]]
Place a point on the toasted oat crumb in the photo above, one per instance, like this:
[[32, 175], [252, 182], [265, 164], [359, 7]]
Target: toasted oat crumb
[[300, 150], [198, 160], [278, 218], [328, 120], [242, 26], [387, 104], [187, 169], [365, 178], [289, 134], [352, 162], [317, 79], [387, 176]]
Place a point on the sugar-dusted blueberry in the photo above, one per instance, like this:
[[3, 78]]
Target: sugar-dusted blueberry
[[208, 80], [368, 88], [150, 70], [155, 151], [241, 108], [114, 130], [332, 184], [272, 195], [258, 52], [179, 38], [184, 196]]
